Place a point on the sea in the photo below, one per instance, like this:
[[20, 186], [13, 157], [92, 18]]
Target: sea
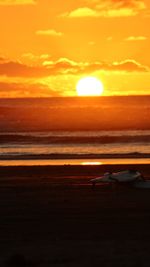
[[75, 130]]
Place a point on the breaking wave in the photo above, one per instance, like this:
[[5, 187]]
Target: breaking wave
[[59, 138]]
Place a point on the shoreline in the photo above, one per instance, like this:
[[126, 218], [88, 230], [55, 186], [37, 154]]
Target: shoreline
[[69, 170], [74, 162]]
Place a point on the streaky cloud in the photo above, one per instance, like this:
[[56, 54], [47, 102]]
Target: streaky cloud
[[49, 32], [81, 12], [17, 2], [136, 38]]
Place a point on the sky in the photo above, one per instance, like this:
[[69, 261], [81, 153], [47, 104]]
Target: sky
[[47, 46]]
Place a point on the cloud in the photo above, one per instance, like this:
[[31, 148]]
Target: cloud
[[82, 12], [49, 32], [62, 63], [2, 59], [108, 8], [35, 58], [17, 2], [17, 69], [130, 66], [136, 38], [14, 89], [110, 38], [65, 66], [91, 43]]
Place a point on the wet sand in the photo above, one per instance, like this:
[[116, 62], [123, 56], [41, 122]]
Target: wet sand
[[51, 216]]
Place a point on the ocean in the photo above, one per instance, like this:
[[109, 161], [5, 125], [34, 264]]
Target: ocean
[[74, 130]]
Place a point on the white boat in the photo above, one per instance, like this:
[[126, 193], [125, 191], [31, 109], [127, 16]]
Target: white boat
[[131, 177]]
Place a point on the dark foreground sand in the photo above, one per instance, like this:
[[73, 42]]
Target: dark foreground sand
[[51, 216]]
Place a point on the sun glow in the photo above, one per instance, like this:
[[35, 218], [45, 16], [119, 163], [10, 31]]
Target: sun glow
[[89, 86], [91, 163]]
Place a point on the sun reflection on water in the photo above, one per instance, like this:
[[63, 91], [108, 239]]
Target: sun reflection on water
[[91, 163]]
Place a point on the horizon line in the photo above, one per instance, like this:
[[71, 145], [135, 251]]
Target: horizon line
[[78, 97]]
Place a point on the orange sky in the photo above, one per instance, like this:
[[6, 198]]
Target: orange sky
[[47, 46]]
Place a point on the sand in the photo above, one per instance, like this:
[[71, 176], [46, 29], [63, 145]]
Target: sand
[[51, 216]]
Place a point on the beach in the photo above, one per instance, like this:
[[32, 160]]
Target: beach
[[51, 216]]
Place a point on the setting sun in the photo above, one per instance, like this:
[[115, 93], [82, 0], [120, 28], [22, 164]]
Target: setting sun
[[89, 86]]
